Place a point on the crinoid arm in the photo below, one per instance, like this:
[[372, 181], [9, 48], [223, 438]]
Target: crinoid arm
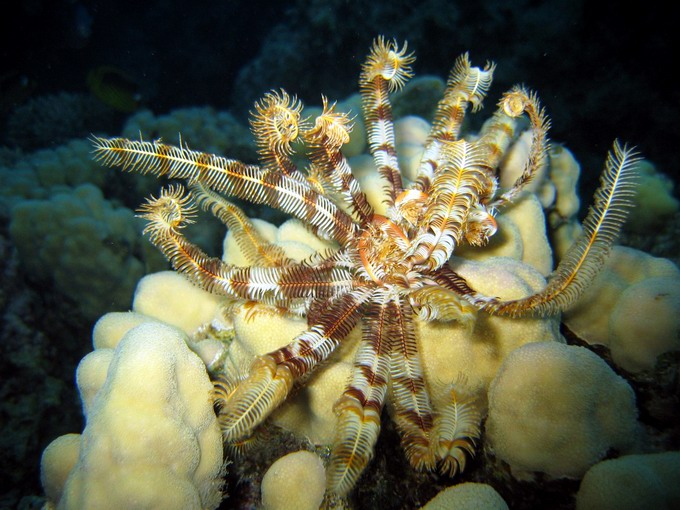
[[256, 249], [168, 213], [386, 70], [465, 86], [455, 190], [272, 375], [276, 124], [411, 407], [456, 431], [325, 139], [585, 258], [359, 408], [249, 182], [513, 104]]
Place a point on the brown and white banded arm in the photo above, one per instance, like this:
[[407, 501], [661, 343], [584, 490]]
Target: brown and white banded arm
[[249, 182], [455, 192], [325, 139], [272, 375], [166, 216], [586, 257], [514, 103], [256, 249], [359, 408], [411, 406], [465, 86], [386, 70]]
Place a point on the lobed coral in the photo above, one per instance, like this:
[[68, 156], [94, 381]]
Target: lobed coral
[[88, 247], [558, 409], [151, 433]]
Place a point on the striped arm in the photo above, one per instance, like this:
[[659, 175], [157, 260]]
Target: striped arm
[[455, 191], [586, 257], [330, 132], [386, 69], [411, 408], [496, 136], [168, 213], [465, 86], [455, 432], [265, 388], [449, 279], [271, 376], [359, 408], [256, 248], [514, 103], [318, 342], [249, 182], [276, 124]]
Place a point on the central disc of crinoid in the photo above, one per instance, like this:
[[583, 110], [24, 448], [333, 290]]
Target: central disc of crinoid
[[382, 248]]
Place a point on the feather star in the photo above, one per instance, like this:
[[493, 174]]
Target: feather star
[[389, 270]]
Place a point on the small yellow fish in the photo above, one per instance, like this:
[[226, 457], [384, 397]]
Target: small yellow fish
[[115, 88]]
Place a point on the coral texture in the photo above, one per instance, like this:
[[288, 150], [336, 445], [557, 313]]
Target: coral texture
[[151, 434], [558, 409]]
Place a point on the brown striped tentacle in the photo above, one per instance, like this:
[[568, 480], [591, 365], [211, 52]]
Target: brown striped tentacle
[[386, 70], [249, 182], [496, 136], [465, 86], [318, 342], [514, 103], [449, 279], [256, 248], [586, 257], [325, 139], [359, 408], [411, 407], [166, 216], [276, 123], [455, 192], [271, 376], [455, 432], [254, 398]]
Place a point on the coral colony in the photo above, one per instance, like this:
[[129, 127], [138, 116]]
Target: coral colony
[[390, 271]]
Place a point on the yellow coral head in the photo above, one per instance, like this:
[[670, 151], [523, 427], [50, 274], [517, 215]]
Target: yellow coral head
[[276, 121], [386, 61], [330, 128], [171, 211]]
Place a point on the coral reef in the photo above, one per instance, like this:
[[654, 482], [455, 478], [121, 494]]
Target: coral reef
[[654, 199], [615, 310], [445, 201], [631, 482], [90, 249], [297, 480], [467, 496], [151, 432], [558, 409], [52, 120], [40, 174]]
